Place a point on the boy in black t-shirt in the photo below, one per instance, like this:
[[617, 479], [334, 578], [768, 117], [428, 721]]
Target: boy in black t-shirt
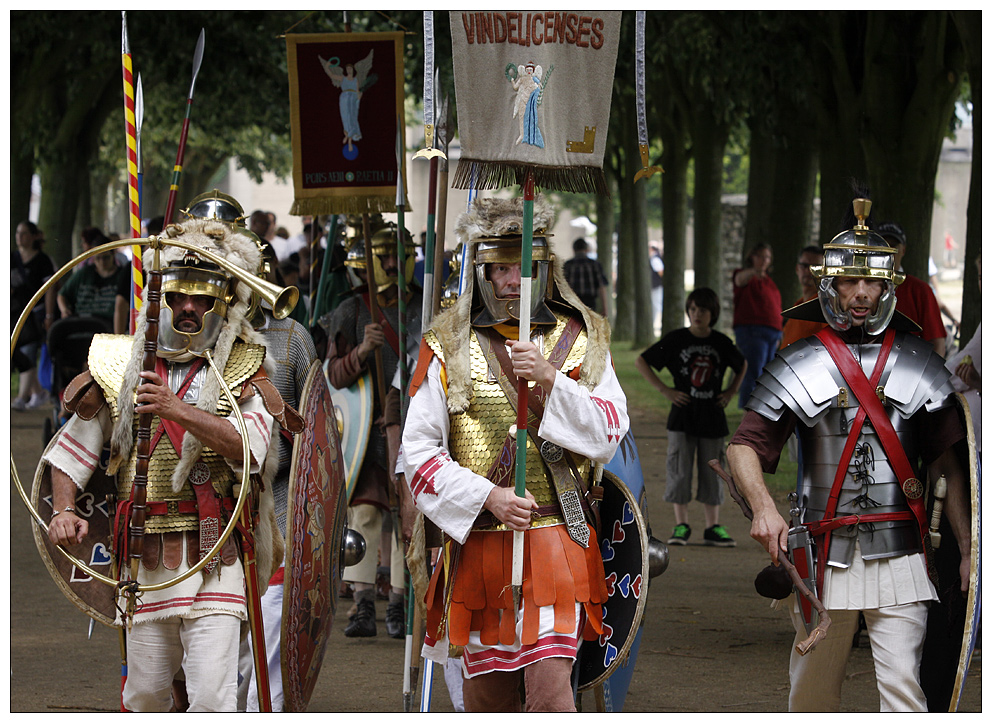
[[697, 358]]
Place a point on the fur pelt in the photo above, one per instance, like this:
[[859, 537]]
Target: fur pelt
[[494, 217]]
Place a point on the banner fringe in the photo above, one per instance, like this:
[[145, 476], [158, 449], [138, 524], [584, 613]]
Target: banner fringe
[[343, 204], [487, 175]]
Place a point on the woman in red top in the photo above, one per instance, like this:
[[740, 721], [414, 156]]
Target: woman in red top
[[757, 315]]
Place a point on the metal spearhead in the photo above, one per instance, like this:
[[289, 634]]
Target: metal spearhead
[[139, 117], [197, 59], [125, 45]]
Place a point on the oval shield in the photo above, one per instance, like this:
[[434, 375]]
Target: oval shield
[[626, 464], [953, 622], [315, 522], [353, 420], [624, 545], [93, 597]]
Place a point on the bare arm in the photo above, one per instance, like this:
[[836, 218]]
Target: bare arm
[[957, 507], [679, 399], [217, 433], [735, 384], [66, 528], [768, 527], [122, 308]]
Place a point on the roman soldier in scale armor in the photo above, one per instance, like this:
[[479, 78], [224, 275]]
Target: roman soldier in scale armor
[[459, 451], [205, 342], [872, 406]]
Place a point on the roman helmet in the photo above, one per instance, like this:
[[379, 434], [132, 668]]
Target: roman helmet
[[493, 230], [186, 272], [384, 245], [218, 206], [859, 253]]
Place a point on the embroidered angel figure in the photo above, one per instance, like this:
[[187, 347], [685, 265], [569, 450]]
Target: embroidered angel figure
[[353, 80], [528, 86]]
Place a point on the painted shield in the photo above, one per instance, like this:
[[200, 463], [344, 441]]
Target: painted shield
[[624, 545], [953, 622], [315, 521], [626, 464], [93, 597], [353, 418]]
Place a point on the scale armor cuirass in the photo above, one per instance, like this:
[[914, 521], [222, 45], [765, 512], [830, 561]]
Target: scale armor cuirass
[[476, 436], [108, 359], [803, 379]]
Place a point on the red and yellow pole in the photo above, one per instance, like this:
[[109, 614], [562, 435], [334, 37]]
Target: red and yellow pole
[[134, 210]]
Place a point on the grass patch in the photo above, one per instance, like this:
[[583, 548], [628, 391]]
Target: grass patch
[[643, 396]]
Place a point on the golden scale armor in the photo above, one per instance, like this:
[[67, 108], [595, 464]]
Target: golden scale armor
[[476, 437], [108, 360]]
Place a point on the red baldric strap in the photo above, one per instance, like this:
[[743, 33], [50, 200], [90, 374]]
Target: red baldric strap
[[869, 405]]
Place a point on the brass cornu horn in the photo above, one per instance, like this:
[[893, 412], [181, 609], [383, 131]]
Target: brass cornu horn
[[282, 299]]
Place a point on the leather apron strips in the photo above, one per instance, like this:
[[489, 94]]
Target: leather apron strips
[[557, 573]]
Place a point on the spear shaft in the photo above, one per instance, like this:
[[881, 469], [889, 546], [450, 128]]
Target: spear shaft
[[133, 192], [177, 170], [520, 484]]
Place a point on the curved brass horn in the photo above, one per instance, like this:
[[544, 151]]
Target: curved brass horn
[[282, 299]]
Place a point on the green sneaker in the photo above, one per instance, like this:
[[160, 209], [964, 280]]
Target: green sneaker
[[717, 536], [680, 536]]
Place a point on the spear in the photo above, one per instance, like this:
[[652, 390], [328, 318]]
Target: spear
[[177, 170], [526, 249], [442, 202], [133, 192]]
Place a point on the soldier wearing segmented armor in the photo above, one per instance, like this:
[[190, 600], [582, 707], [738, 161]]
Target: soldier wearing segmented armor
[[353, 337], [459, 447], [870, 403], [196, 458]]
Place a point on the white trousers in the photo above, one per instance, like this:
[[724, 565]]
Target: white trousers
[[155, 654], [367, 521], [896, 633]]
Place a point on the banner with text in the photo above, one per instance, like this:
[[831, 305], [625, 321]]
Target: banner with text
[[533, 91], [346, 102]]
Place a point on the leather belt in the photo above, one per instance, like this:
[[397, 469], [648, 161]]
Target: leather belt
[[822, 526], [181, 507]]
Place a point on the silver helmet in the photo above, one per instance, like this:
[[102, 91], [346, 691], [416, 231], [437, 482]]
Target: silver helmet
[[858, 253], [218, 206]]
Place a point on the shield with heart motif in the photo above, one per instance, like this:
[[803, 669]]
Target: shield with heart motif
[[93, 597], [624, 545]]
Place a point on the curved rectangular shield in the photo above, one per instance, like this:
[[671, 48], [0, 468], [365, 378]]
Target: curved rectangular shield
[[315, 522]]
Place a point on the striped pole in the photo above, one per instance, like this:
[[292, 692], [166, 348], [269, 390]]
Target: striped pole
[[131, 136]]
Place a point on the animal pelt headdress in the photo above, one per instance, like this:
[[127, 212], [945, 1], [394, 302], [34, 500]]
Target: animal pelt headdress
[[240, 249], [494, 217]]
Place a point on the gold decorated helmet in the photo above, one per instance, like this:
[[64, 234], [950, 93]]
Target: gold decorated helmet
[[383, 246], [859, 253]]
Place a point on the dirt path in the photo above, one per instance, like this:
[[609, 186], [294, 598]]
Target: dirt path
[[710, 642]]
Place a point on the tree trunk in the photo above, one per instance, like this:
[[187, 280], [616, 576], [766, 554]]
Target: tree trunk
[[761, 202], [21, 171], [909, 99], [624, 326], [674, 213], [605, 228], [795, 184], [643, 311], [709, 138], [59, 204]]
